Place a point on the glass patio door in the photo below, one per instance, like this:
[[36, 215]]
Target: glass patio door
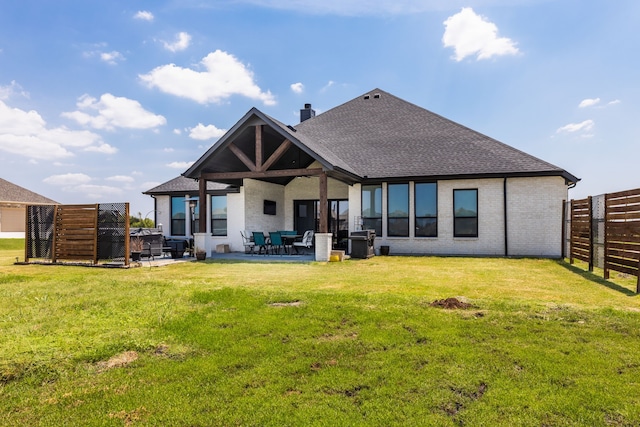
[[307, 217]]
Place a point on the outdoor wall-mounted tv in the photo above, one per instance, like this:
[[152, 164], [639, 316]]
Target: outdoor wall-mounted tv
[[269, 207]]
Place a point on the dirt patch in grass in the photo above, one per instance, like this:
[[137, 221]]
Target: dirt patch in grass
[[119, 360], [451, 304], [286, 304]]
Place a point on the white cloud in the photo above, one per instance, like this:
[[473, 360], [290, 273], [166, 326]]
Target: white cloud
[[68, 179], [168, 150], [584, 126], [327, 86], [180, 165], [143, 15], [26, 133], [471, 34], [114, 112], [80, 184], [224, 76], [182, 42], [589, 102], [177, 131], [120, 178], [11, 90], [202, 132], [112, 57], [614, 102], [103, 148], [95, 192], [297, 87]]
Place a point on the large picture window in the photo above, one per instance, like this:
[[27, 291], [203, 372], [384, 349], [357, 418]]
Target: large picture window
[[398, 210], [465, 213], [426, 204], [219, 215], [372, 208], [178, 216]]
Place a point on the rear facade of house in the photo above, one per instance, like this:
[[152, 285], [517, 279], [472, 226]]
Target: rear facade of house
[[425, 184]]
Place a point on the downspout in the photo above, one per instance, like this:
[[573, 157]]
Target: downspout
[[506, 236]]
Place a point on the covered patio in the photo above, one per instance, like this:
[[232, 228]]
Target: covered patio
[[263, 157]]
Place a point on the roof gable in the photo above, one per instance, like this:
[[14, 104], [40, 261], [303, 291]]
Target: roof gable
[[12, 193], [222, 158]]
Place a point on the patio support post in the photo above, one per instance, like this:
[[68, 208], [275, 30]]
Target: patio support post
[[202, 206], [324, 227]]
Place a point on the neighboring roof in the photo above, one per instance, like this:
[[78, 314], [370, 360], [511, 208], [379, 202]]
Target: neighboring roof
[[12, 193], [182, 185], [378, 136], [382, 136]]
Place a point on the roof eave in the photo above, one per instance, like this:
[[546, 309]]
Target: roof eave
[[569, 178]]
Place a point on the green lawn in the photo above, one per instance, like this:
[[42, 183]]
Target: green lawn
[[336, 344]]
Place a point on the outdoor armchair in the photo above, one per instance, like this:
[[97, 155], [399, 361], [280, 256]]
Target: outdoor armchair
[[261, 242], [247, 242], [276, 241], [306, 242]]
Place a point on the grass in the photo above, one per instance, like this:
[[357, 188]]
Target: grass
[[352, 343]]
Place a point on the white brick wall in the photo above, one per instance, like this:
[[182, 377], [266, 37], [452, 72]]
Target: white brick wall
[[534, 215]]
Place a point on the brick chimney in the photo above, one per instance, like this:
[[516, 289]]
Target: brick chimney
[[306, 113]]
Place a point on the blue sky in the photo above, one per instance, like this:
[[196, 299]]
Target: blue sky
[[101, 100]]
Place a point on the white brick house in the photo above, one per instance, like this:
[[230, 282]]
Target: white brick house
[[427, 185]]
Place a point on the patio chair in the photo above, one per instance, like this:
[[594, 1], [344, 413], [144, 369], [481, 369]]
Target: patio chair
[[306, 242], [247, 242], [261, 242], [276, 242]]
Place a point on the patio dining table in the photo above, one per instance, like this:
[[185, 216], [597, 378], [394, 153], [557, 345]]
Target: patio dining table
[[288, 240]]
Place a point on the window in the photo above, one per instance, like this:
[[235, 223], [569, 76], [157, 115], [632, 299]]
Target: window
[[178, 216], [426, 204], [398, 210], [465, 213], [372, 208], [219, 215]]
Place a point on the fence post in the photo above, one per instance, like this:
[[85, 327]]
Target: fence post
[[563, 240], [606, 236], [590, 233], [571, 243]]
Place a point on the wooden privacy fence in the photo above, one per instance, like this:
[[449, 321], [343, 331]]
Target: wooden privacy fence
[[78, 232], [607, 236]]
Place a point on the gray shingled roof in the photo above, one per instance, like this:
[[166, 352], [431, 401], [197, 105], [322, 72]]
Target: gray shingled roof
[[383, 136], [184, 185], [12, 193]]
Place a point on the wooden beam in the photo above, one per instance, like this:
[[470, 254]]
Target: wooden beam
[[259, 147], [243, 157], [276, 154], [324, 214], [202, 205], [265, 174]]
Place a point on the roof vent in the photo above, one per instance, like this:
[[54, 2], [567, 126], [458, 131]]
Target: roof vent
[[376, 95], [366, 96]]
